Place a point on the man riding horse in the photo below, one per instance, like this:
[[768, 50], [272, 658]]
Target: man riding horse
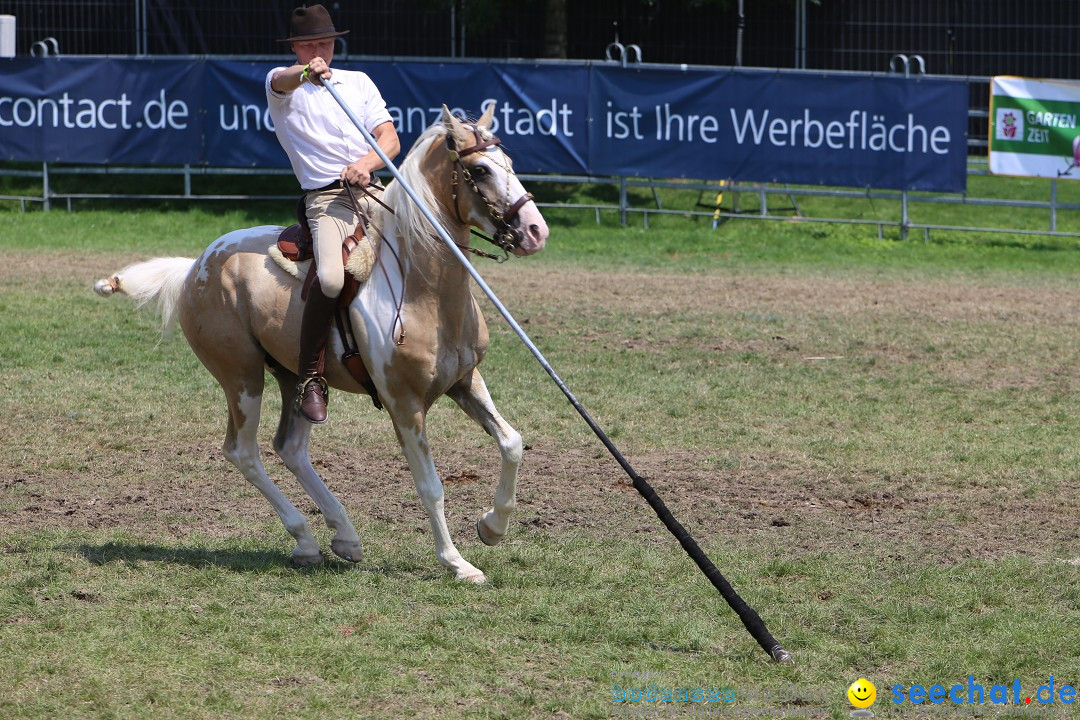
[[327, 152]]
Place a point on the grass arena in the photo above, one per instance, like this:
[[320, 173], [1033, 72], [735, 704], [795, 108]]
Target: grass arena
[[873, 439]]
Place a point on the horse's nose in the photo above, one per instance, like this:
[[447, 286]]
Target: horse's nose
[[536, 237]]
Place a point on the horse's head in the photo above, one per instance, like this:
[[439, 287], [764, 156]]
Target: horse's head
[[486, 192]]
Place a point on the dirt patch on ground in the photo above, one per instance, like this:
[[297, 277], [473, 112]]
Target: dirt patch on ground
[[660, 293], [576, 491], [762, 501]]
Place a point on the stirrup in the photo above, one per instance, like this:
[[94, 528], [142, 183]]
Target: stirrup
[[302, 388]]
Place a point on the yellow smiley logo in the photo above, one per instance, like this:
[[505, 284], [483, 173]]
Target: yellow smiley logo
[[862, 693]]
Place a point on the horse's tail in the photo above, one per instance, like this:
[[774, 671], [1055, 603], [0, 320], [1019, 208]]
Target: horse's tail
[[159, 280]]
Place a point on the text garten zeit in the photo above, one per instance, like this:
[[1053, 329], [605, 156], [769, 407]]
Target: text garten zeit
[[860, 131]]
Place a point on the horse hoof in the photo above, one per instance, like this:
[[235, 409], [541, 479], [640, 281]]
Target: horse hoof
[[486, 536], [471, 574], [306, 559], [352, 552]]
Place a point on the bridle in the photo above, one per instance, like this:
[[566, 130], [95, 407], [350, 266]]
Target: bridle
[[506, 237]]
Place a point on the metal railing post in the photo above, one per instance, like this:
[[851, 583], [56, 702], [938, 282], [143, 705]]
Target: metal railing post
[[145, 28], [902, 63], [739, 34], [624, 202], [800, 34], [46, 191], [142, 42], [1053, 204], [905, 221]]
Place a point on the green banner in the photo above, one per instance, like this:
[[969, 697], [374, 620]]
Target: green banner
[[1046, 127], [1034, 130]]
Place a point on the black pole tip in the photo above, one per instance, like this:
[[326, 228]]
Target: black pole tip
[[782, 656]]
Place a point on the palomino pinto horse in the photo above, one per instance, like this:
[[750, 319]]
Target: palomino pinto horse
[[418, 328]]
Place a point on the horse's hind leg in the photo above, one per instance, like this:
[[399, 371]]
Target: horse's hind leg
[[473, 397], [291, 445], [241, 377]]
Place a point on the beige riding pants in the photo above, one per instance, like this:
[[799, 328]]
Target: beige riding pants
[[332, 218]]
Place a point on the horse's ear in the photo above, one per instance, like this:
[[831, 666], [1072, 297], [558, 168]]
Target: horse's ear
[[456, 130], [485, 120], [447, 117]]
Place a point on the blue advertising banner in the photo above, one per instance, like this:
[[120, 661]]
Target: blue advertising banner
[[540, 111], [101, 111], [862, 131], [238, 131], [540, 116]]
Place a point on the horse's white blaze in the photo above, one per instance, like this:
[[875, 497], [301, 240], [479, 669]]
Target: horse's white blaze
[[508, 190], [495, 161]]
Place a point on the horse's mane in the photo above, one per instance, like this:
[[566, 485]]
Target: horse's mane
[[411, 222]]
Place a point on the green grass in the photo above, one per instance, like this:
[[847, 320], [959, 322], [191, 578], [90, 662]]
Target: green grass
[[111, 625], [155, 620]]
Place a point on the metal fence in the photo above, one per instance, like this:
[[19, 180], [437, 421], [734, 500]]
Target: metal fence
[[1035, 38], [718, 201]]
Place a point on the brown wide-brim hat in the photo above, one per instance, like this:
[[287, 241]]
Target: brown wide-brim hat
[[311, 23]]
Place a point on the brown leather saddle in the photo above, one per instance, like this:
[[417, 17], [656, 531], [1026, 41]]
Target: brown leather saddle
[[295, 243]]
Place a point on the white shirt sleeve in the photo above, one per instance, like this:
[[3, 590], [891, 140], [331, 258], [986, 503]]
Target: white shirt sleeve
[[270, 91], [375, 112]]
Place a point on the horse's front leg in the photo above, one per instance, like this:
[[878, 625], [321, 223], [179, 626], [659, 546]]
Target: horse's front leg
[[413, 437], [473, 397]]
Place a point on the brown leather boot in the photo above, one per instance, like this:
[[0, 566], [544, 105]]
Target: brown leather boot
[[312, 392]]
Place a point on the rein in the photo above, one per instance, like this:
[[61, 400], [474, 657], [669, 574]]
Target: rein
[[365, 222]]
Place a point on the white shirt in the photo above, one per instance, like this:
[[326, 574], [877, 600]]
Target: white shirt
[[315, 132]]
